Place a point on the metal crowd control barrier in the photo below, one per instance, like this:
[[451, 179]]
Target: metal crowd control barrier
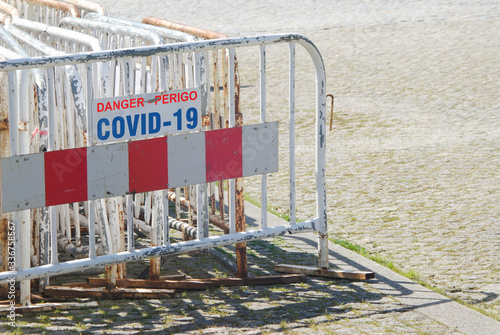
[[52, 33], [64, 235], [318, 224], [45, 11]]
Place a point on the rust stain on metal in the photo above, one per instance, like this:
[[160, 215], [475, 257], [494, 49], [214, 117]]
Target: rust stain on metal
[[241, 248], [221, 202], [35, 239], [4, 236], [331, 110], [110, 277], [154, 268], [205, 120], [4, 124], [212, 201], [198, 32], [65, 7]]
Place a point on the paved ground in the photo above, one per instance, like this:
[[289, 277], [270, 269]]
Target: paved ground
[[413, 165], [389, 304]]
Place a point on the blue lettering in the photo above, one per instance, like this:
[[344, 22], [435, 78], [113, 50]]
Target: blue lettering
[[100, 134], [143, 124], [118, 127], [133, 125], [154, 122]]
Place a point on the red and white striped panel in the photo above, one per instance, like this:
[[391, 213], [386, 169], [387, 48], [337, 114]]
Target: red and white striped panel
[[73, 175]]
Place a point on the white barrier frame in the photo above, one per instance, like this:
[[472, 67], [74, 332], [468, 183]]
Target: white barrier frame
[[318, 224]]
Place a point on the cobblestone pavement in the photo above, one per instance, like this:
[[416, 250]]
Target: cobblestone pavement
[[319, 306], [413, 164], [414, 157]]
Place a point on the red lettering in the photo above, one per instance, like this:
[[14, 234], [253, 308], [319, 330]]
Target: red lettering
[[140, 102], [100, 107], [191, 95], [116, 105], [132, 103], [157, 98], [108, 106], [184, 96], [124, 104], [165, 98], [173, 97]]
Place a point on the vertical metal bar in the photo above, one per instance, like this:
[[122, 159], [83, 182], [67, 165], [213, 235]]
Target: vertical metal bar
[[292, 134], [52, 145], [263, 183], [166, 229], [200, 80], [13, 116], [129, 222], [321, 158], [241, 248], [4, 152], [215, 119], [224, 121], [90, 137], [147, 208], [76, 221], [14, 93], [24, 216], [157, 216], [232, 123], [177, 84]]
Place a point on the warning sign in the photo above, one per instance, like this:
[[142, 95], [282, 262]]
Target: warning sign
[[146, 115]]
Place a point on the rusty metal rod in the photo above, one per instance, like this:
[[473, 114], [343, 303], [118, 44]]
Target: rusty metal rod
[[331, 110], [214, 219], [198, 32]]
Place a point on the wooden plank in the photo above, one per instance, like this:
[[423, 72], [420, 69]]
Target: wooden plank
[[141, 293], [73, 292], [262, 280], [77, 284], [161, 284], [201, 284], [165, 284], [319, 272], [103, 293], [173, 277]]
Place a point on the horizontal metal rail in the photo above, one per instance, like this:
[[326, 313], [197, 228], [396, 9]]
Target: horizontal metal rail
[[172, 249], [147, 51]]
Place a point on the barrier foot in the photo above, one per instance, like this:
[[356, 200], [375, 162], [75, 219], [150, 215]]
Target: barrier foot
[[322, 272], [154, 284], [261, 280], [200, 284], [103, 293]]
